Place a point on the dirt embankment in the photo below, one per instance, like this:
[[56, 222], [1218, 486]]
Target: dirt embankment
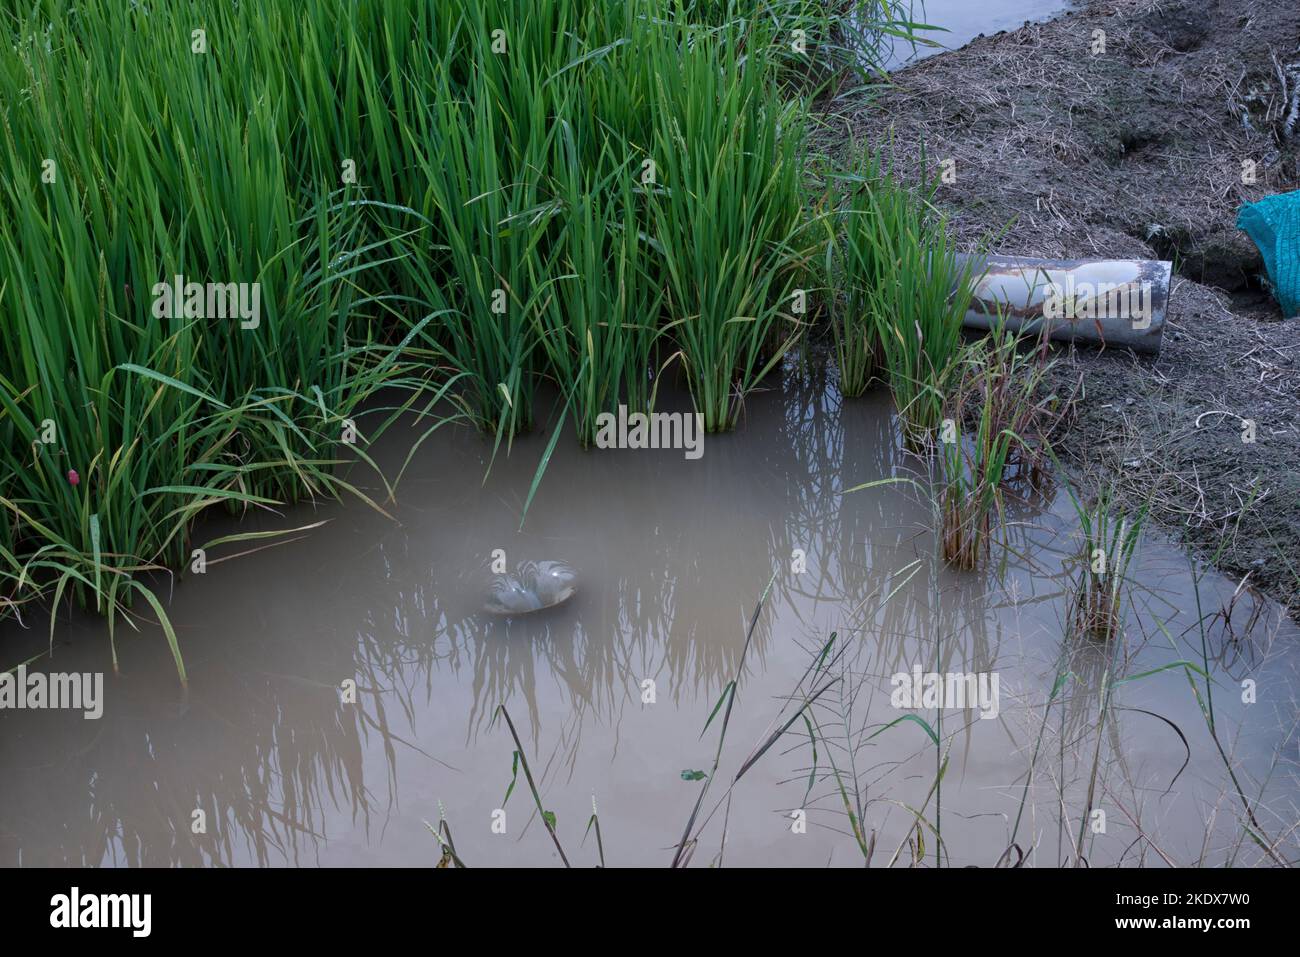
[[1142, 149]]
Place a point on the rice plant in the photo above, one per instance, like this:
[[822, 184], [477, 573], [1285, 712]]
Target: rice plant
[[853, 267], [971, 469], [905, 293], [1109, 539], [485, 230], [995, 416], [599, 321], [813, 43], [727, 218]]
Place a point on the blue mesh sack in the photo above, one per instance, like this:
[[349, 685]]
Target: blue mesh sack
[[1274, 224]]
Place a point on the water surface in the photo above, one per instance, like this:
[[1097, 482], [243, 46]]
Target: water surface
[[672, 555]]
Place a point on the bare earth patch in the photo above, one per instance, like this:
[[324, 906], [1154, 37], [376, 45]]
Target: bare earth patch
[[1138, 152]]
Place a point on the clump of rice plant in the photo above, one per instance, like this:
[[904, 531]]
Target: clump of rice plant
[[906, 293], [1039, 415], [813, 43], [971, 467], [599, 320], [726, 201], [481, 145], [995, 417], [1109, 539], [854, 268]]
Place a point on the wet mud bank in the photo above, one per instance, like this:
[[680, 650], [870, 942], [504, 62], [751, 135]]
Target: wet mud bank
[[1134, 129]]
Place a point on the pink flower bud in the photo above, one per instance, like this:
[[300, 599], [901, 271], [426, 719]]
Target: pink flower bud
[[73, 477]]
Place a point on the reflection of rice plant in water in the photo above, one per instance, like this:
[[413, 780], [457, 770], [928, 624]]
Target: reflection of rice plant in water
[[802, 700], [533, 586]]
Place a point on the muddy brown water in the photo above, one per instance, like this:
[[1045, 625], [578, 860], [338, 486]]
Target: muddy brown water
[[672, 556]]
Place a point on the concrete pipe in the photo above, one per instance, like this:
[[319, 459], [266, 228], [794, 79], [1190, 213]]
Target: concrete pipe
[[1103, 302]]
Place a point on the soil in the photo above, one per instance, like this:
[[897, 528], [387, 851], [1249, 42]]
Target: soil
[[1139, 151]]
